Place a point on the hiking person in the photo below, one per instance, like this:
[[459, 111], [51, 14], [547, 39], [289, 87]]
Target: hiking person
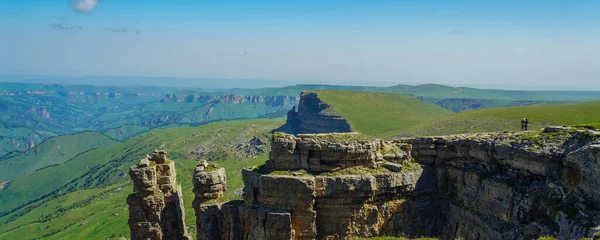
[[524, 124]]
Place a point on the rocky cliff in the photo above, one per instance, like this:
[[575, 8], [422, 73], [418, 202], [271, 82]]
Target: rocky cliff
[[516, 186], [484, 186], [278, 100], [479, 186], [314, 116], [321, 186], [156, 208]]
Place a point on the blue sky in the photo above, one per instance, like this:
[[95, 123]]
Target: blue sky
[[510, 43]]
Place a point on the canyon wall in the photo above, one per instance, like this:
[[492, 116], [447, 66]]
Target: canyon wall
[[516, 186]]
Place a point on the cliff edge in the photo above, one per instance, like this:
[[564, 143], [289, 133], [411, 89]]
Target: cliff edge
[[476, 186]]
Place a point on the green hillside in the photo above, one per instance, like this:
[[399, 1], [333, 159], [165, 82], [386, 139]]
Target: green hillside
[[508, 119], [447, 92], [381, 115], [53, 151], [84, 198]]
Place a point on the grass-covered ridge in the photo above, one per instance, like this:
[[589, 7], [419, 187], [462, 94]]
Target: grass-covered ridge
[[508, 119], [381, 115], [56, 150]]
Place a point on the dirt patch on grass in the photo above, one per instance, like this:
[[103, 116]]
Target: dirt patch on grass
[[3, 184]]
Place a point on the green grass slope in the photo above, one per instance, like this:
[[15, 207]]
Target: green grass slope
[[509, 118], [53, 151], [381, 115], [84, 198]]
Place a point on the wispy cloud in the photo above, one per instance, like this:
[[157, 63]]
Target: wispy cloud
[[234, 54], [117, 30], [83, 6], [60, 26]]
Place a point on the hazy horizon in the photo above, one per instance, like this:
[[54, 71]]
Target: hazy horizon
[[529, 45], [213, 83]]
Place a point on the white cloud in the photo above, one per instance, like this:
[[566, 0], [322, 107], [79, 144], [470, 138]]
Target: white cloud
[[83, 6]]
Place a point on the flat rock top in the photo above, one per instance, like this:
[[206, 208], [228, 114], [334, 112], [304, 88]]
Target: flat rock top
[[536, 141], [353, 137]]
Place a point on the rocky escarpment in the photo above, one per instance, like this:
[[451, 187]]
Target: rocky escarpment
[[156, 207], [480, 186], [314, 116], [322, 186], [278, 100], [516, 186]]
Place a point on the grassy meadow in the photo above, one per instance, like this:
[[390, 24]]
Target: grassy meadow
[[381, 115], [509, 118]]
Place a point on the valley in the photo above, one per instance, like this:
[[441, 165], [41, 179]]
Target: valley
[[73, 185], [34, 112]]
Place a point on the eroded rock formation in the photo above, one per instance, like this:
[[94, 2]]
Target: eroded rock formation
[[314, 116], [319, 186], [156, 208], [339, 186]]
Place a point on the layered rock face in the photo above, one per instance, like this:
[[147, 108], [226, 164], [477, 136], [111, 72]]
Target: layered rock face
[[323, 186], [156, 208], [516, 186], [315, 116], [339, 186], [322, 152]]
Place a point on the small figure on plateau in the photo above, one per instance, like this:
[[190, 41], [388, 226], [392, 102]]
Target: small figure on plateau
[[524, 124]]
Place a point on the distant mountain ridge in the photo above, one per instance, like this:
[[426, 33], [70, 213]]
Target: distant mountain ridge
[[33, 112]]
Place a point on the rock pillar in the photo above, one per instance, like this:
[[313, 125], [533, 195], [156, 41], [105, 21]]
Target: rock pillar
[[209, 188], [156, 206]]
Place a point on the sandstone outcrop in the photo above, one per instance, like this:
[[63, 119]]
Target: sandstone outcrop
[[314, 116], [156, 208], [340, 186], [320, 186]]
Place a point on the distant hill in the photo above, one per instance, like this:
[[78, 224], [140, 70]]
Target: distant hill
[[438, 91], [84, 197], [508, 119], [53, 151], [379, 115]]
